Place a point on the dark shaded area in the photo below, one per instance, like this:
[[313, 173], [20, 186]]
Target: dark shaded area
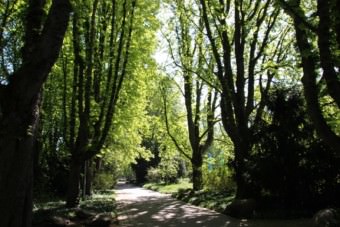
[[291, 170], [51, 175]]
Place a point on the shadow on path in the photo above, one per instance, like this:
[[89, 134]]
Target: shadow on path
[[139, 207]]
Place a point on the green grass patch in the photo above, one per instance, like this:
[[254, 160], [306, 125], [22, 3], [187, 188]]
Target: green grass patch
[[169, 188], [182, 190], [217, 201]]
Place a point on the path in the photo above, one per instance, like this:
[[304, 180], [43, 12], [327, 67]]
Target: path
[[139, 207]]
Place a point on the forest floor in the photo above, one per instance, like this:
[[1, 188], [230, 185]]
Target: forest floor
[[139, 207]]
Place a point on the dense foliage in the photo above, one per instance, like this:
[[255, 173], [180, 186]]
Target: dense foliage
[[290, 164]]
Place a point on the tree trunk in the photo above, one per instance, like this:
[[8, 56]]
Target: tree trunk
[[73, 189], [19, 110], [16, 166], [326, 133], [243, 190], [327, 57], [17, 137], [88, 177], [197, 176], [37, 149]]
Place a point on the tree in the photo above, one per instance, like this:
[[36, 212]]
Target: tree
[[95, 91], [189, 58], [199, 141], [243, 37], [106, 67], [319, 60], [19, 108]]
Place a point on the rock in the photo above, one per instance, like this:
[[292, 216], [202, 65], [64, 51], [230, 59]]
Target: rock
[[101, 220], [327, 218], [241, 208]]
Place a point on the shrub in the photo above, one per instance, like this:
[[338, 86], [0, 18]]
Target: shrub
[[103, 181], [290, 166], [154, 175], [163, 173]]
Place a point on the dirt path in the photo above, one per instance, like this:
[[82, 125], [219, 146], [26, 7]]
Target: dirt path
[[139, 207]]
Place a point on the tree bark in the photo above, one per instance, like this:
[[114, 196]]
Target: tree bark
[[88, 177], [327, 60], [309, 65], [16, 166], [73, 189], [19, 111], [197, 176], [243, 190]]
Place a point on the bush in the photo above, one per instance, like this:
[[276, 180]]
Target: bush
[[217, 176], [154, 175], [291, 168], [104, 181], [163, 173], [219, 179]]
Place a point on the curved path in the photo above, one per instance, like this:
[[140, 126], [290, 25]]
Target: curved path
[[139, 207]]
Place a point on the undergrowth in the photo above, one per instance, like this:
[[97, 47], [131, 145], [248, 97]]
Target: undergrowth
[[214, 200], [99, 202]]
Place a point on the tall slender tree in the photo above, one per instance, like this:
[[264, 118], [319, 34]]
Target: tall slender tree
[[188, 54]]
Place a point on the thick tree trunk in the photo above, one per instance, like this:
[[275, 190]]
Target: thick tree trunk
[[243, 190], [73, 189], [16, 161], [17, 131], [19, 110]]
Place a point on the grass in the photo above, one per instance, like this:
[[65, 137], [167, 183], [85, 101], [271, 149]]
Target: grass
[[213, 200], [100, 202], [169, 188], [182, 190]]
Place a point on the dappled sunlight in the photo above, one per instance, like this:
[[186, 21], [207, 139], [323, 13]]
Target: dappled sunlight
[[139, 207], [154, 209]]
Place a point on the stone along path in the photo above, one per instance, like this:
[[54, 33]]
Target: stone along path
[[139, 207]]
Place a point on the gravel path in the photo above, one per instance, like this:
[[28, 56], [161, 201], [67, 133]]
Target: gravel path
[[139, 207]]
